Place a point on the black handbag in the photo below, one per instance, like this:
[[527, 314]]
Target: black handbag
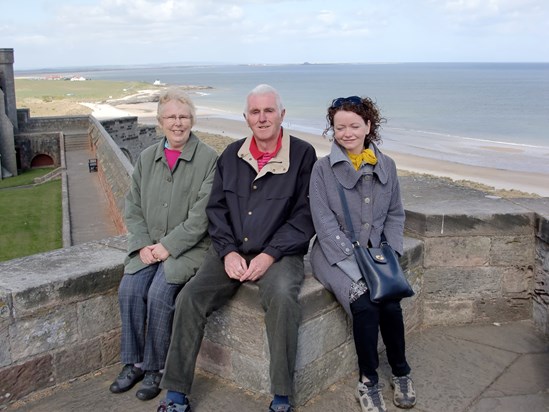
[[379, 265]]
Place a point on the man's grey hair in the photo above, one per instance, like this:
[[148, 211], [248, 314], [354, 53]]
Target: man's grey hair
[[261, 90]]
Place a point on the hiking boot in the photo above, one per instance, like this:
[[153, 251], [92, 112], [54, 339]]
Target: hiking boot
[[170, 406], [126, 379], [150, 386], [405, 395], [283, 407], [370, 398]]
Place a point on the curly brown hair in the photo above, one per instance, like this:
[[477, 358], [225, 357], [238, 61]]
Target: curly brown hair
[[362, 106]]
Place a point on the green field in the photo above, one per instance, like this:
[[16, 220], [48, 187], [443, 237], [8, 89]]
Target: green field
[[31, 216], [26, 178], [89, 90]]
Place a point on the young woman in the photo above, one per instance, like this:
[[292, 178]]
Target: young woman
[[370, 182]]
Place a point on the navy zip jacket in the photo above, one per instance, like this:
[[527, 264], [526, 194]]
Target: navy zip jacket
[[252, 211]]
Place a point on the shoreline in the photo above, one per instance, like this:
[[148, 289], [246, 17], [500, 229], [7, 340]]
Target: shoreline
[[216, 122]]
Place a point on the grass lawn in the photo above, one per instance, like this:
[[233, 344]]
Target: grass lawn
[[26, 178], [31, 219], [88, 91]]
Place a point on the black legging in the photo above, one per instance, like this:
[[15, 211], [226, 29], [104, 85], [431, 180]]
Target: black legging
[[368, 318]]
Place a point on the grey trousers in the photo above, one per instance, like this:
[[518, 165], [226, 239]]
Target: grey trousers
[[209, 290], [147, 304]]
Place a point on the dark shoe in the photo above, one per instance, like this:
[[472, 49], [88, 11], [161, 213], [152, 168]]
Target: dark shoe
[[149, 387], [171, 406], [127, 379], [284, 407]]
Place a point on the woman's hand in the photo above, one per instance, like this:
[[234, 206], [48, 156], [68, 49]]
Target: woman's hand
[[153, 254]]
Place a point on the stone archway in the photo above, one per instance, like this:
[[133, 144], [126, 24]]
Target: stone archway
[[41, 160]]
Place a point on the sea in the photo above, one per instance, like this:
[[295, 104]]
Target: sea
[[482, 114]]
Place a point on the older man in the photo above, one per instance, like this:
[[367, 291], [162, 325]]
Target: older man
[[260, 225]]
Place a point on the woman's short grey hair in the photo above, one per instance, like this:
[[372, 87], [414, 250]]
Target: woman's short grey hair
[[261, 90], [175, 93]]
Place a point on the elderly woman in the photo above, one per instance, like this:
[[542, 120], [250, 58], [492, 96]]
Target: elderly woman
[[167, 240], [369, 180]]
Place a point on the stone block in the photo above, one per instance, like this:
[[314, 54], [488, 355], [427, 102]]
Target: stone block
[[46, 331], [517, 281], [413, 254], [98, 315], [315, 299], [462, 283], [443, 312], [322, 335], [77, 360], [512, 251], [457, 251], [540, 315], [5, 346], [21, 379], [216, 359], [61, 276], [502, 309], [543, 228], [467, 224], [315, 377], [251, 372], [5, 304], [110, 347], [238, 329]]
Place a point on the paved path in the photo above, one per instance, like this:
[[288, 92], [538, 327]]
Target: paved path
[[474, 368], [89, 212]]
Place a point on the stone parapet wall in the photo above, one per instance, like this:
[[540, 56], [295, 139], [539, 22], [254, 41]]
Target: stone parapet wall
[[236, 346], [60, 320], [114, 170], [51, 123], [479, 260], [540, 296], [58, 316]]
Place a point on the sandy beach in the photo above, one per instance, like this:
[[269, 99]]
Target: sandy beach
[[210, 121]]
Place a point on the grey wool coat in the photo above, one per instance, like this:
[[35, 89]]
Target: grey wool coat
[[375, 204], [170, 207]]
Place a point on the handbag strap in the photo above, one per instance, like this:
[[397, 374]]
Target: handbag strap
[[348, 220], [347, 214]]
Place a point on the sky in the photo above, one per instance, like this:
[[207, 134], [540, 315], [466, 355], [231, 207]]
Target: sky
[[77, 33]]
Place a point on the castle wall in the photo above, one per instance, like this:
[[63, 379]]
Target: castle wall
[[7, 143], [114, 170], [129, 136], [7, 84], [31, 144]]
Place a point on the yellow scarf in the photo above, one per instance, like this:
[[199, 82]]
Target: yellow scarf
[[366, 156]]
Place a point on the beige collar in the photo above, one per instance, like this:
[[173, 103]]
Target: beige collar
[[277, 165]]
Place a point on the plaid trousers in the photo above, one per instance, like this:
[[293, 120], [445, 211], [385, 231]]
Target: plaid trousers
[[147, 304]]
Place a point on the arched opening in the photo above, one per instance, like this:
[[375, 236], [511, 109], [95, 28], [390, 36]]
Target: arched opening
[[127, 154], [41, 160]]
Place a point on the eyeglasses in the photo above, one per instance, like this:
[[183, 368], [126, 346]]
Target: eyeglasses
[[340, 101], [173, 118]]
